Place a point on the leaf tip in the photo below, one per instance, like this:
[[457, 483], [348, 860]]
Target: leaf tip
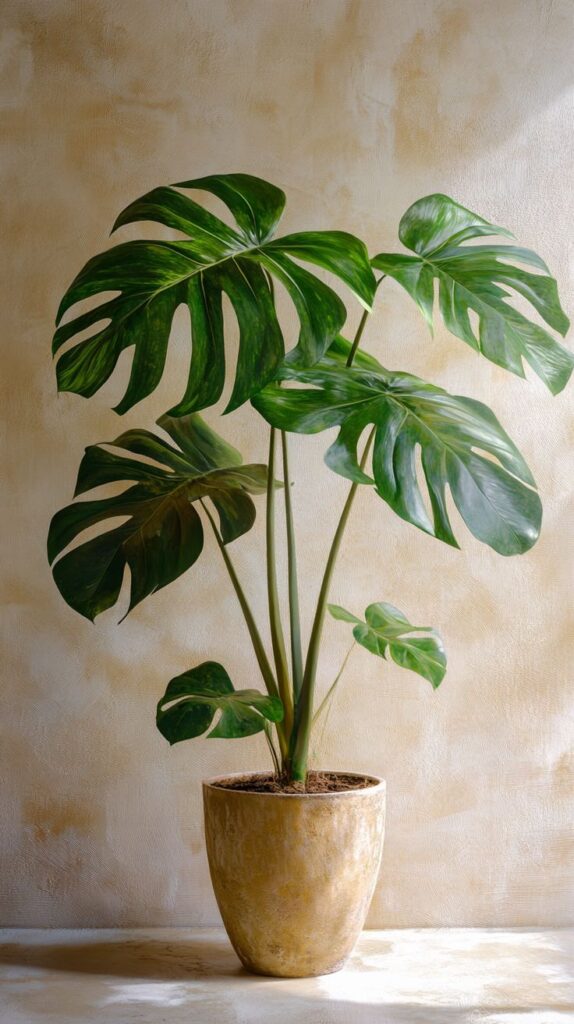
[[123, 406], [125, 615]]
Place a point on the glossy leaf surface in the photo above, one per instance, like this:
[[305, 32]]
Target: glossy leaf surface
[[387, 630], [192, 699], [152, 278], [480, 280], [462, 447], [162, 534]]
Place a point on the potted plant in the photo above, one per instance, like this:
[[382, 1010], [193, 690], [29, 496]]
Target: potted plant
[[293, 854]]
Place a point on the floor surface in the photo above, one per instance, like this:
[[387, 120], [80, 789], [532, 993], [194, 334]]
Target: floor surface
[[177, 975]]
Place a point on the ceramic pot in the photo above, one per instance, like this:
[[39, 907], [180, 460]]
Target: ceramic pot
[[293, 873]]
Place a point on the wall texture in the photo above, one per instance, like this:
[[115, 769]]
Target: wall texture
[[355, 109]]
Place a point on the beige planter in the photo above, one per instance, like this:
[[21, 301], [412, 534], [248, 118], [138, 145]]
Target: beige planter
[[294, 874]]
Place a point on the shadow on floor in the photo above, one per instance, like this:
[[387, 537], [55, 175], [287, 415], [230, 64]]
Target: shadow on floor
[[132, 958], [124, 973]]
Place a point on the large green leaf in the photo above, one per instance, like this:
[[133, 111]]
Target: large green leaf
[[153, 278], [163, 534], [478, 279], [387, 629], [192, 699], [461, 443]]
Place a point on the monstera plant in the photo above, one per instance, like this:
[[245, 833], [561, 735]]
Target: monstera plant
[[396, 433]]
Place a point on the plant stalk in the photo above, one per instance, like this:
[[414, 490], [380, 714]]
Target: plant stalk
[[332, 687], [294, 615], [299, 747], [357, 338], [299, 741], [260, 654], [272, 751], [361, 328], [275, 625]]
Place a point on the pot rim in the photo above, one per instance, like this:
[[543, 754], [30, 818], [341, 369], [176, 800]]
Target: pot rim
[[379, 786]]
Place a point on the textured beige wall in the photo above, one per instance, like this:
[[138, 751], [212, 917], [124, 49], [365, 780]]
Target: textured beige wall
[[356, 109]]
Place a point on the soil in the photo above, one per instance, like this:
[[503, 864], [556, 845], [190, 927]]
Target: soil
[[317, 782]]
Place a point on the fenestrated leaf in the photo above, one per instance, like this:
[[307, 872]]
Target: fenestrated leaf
[[152, 278], [163, 535], [255, 204], [480, 279], [387, 629], [191, 700], [461, 443]]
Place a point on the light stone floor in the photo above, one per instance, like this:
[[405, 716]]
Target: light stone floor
[[176, 975]]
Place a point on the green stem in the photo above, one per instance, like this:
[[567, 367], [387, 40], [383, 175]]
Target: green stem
[[332, 687], [272, 751], [294, 615], [275, 625], [361, 328], [358, 336], [260, 654], [299, 741], [303, 721]]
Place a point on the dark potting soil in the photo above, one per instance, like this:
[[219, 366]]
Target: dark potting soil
[[317, 782]]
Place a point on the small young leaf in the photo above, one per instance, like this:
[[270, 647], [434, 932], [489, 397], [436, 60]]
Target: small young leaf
[[191, 700], [386, 629]]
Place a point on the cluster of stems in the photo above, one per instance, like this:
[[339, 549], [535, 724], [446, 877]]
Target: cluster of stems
[[291, 679]]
